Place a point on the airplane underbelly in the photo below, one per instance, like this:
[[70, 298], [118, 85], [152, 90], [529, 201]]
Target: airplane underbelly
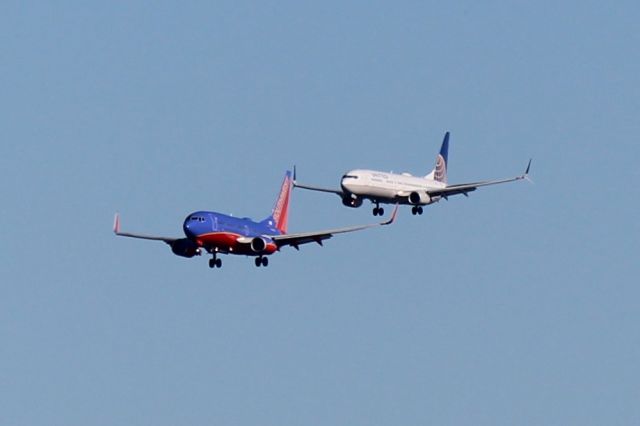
[[376, 191], [223, 240], [228, 242]]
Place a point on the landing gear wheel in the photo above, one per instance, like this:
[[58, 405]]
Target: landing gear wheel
[[265, 261], [377, 210], [215, 263], [258, 261], [414, 210], [419, 209], [218, 263], [212, 263]]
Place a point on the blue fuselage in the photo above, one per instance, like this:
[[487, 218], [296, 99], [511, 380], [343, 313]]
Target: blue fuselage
[[221, 232]]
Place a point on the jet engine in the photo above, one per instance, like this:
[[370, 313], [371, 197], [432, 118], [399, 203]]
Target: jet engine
[[185, 248], [258, 244], [351, 201], [419, 198]]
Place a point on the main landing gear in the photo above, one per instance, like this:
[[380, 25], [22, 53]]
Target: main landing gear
[[416, 210], [214, 262], [262, 261], [377, 210]]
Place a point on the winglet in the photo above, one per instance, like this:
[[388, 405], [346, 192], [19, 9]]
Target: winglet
[[394, 213], [294, 175], [526, 172], [116, 224]]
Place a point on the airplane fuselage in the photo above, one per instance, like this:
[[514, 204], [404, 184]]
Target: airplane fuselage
[[217, 232], [386, 187]]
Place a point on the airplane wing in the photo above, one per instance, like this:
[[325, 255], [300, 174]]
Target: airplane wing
[[297, 239], [116, 230], [315, 188], [464, 188]]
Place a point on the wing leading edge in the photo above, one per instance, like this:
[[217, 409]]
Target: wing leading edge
[[116, 230], [300, 238], [464, 188], [315, 188], [318, 188]]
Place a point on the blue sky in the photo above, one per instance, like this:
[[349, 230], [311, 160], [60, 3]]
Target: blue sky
[[518, 305]]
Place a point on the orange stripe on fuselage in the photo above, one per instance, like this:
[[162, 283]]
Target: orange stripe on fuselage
[[228, 241]]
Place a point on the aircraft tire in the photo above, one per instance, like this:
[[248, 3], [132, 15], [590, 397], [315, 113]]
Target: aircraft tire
[[258, 261], [265, 261], [218, 263]]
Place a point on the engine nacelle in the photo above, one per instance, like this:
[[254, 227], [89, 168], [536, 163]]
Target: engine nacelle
[[185, 248], [351, 201], [419, 198], [258, 245]]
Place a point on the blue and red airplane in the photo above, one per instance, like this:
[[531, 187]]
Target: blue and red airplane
[[218, 233]]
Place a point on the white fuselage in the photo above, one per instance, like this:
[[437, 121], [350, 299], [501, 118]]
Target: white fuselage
[[385, 187]]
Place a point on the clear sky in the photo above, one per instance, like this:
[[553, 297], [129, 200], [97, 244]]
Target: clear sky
[[517, 305]]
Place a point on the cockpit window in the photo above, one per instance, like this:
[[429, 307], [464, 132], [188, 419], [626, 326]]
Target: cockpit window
[[349, 177]]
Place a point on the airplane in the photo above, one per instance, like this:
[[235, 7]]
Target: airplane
[[382, 187], [218, 233]]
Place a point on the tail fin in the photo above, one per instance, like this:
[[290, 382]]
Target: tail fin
[[280, 212], [439, 173]]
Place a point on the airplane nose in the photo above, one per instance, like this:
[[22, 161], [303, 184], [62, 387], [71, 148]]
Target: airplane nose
[[187, 227]]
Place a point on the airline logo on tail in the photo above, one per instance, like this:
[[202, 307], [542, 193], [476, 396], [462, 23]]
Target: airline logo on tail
[[440, 172], [281, 209], [441, 169]]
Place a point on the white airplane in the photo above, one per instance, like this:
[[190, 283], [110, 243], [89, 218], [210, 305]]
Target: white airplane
[[390, 188]]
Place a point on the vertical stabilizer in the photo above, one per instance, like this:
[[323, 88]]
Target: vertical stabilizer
[[280, 213], [439, 173]]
